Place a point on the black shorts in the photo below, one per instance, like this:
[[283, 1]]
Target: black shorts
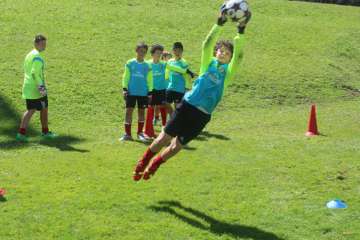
[[38, 104], [174, 97], [141, 101], [186, 123], [158, 97]]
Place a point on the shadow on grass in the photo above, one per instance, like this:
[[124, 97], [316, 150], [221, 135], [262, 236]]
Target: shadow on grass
[[141, 142], [63, 143], [186, 147], [205, 135], [9, 123], [189, 148], [216, 227], [3, 199]]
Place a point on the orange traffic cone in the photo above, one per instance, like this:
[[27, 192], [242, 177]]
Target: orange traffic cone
[[312, 127]]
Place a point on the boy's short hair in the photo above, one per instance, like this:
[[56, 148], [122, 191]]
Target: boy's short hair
[[38, 38], [142, 45], [178, 45], [155, 48], [225, 43]]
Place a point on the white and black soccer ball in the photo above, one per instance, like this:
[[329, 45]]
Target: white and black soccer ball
[[235, 9]]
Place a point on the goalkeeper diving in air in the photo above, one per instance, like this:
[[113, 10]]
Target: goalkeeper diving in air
[[219, 62]]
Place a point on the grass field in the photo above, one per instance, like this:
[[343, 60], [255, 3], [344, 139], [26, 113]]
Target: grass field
[[251, 175]]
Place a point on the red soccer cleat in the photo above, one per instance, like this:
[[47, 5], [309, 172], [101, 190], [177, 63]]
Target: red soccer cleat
[[153, 168], [142, 164], [137, 176], [139, 169]]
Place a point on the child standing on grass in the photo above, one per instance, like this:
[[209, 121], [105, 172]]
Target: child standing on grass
[[194, 112], [158, 97], [165, 57], [34, 90], [178, 83], [137, 86]]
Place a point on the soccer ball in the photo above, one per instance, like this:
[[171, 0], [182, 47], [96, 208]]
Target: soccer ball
[[235, 9]]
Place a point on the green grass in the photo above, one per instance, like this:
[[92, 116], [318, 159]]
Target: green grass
[[251, 175]]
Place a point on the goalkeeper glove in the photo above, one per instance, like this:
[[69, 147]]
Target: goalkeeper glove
[[42, 90], [125, 93], [242, 25], [221, 20]]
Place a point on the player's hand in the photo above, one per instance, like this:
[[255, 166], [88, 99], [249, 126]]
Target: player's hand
[[223, 9], [125, 93], [42, 90], [222, 19], [243, 22], [191, 73]]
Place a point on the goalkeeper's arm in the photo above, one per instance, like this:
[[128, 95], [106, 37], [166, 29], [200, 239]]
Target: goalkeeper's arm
[[239, 41], [208, 47], [37, 75]]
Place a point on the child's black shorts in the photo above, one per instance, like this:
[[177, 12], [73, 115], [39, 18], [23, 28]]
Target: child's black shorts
[[186, 123], [174, 97], [142, 101], [38, 104], [158, 97]]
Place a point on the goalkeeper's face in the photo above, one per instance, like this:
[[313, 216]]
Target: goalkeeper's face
[[41, 46], [178, 52], [223, 55]]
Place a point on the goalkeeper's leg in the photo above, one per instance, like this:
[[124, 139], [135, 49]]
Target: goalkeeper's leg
[[169, 152], [162, 140]]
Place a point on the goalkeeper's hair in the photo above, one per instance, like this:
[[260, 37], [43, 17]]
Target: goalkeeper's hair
[[155, 48], [224, 43], [39, 38], [178, 45], [142, 45]]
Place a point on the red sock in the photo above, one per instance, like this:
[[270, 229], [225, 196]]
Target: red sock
[[149, 128], [140, 127], [45, 130], [163, 115], [158, 160], [148, 155], [22, 131], [142, 163], [128, 129], [157, 112]]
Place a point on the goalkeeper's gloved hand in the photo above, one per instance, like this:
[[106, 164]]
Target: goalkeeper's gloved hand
[[221, 20], [242, 24], [125, 93], [223, 9], [42, 90]]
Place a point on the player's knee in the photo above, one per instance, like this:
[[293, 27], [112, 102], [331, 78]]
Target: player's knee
[[129, 111], [176, 145], [164, 138]]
